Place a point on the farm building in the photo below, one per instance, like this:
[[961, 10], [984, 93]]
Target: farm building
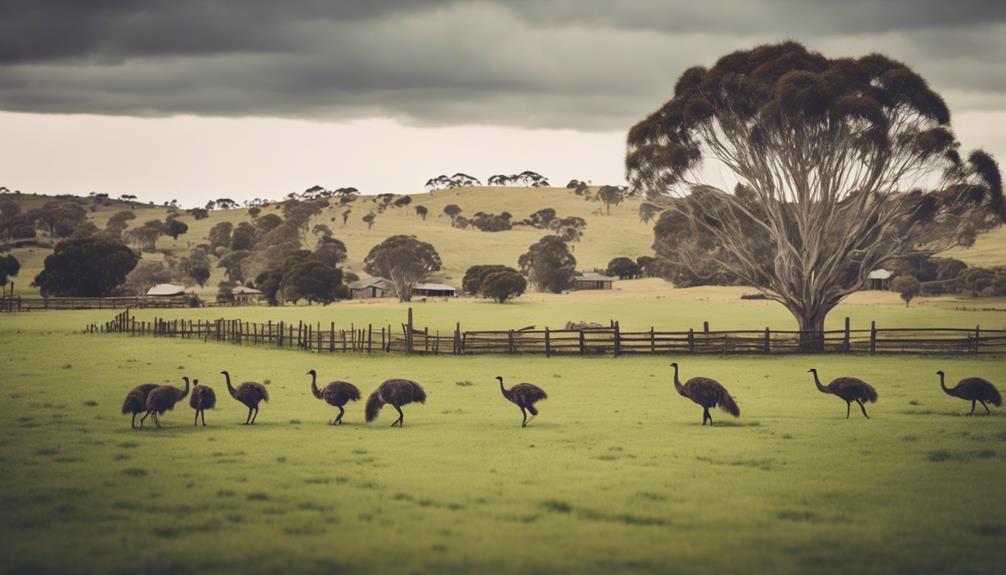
[[166, 290], [879, 279], [592, 280], [434, 290], [371, 288], [246, 294]]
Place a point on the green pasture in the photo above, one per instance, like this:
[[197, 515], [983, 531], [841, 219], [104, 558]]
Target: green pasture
[[615, 476]]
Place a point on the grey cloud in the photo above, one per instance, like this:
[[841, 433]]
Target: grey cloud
[[585, 64]]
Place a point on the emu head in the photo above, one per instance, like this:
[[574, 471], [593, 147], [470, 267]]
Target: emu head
[[940, 373], [224, 372], [812, 370], [500, 378], [674, 365], [195, 382], [312, 372]]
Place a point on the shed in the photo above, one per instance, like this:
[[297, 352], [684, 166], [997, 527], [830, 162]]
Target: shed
[[371, 288], [166, 290], [246, 294], [879, 279], [592, 280], [434, 290]]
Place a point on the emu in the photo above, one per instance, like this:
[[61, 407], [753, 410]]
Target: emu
[[136, 401], [202, 398], [250, 393], [974, 389], [396, 393], [524, 396], [336, 394], [163, 398], [849, 389], [708, 393]]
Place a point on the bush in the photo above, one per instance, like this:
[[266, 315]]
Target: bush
[[471, 284], [907, 287], [624, 268], [86, 267], [502, 285]]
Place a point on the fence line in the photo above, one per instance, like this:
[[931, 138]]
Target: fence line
[[16, 303], [408, 339]]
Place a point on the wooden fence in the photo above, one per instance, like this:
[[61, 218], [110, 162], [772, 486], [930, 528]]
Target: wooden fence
[[34, 303], [406, 338]]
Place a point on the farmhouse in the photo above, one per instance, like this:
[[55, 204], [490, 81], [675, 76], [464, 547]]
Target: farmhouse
[[371, 288], [246, 294], [592, 280], [879, 279], [166, 290], [434, 290]]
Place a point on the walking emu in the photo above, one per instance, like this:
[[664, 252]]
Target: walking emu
[[250, 393], [524, 396], [136, 401], [396, 393], [849, 389], [202, 398], [708, 393], [974, 389], [163, 398], [336, 394]]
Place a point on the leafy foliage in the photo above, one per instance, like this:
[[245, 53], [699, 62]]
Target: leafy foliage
[[504, 284], [404, 260], [624, 268], [88, 267], [549, 264]]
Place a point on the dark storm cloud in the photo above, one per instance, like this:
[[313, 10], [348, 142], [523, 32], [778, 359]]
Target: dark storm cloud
[[589, 64]]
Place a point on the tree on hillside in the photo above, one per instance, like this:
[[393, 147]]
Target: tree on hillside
[[624, 268], [369, 218], [570, 228], [176, 228], [549, 264], [89, 267], [610, 196], [321, 231], [313, 281], [145, 237], [541, 219], [231, 263], [331, 251], [404, 260], [648, 266], [828, 154], [254, 211], [243, 237], [144, 276], [907, 287], [58, 217], [471, 284], [452, 211], [504, 284], [200, 274], [267, 223], [345, 216], [220, 234], [118, 221], [402, 201], [421, 211], [9, 267]]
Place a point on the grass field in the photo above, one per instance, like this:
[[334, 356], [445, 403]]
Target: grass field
[[615, 476]]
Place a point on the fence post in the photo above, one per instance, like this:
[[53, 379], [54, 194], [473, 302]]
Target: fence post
[[384, 347], [978, 338], [370, 337], [457, 337], [509, 341], [846, 343], [618, 340], [426, 339], [691, 340], [768, 340], [582, 342], [548, 343], [705, 327], [653, 340], [873, 336], [408, 334]]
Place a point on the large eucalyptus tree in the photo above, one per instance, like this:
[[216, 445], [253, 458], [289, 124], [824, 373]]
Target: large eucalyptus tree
[[841, 166]]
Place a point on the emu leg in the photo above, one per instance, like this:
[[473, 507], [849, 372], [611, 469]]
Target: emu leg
[[972, 407], [254, 417], [705, 415], [401, 417], [144, 417], [132, 424], [157, 421], [848, 409], [985, 406], [202, 413], [195, 423], [862, 408], [338, 420], [248, 419]]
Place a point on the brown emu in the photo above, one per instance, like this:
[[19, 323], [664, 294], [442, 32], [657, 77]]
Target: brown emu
[[250, 393], [163, 398], [974, 389], [202, 398], [524, 396], [396, 393], [848, 389], [136, 401], [708, 393], [336, 394]]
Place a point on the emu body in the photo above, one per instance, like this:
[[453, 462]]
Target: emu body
[[849, 389], [524, 396], [707, 393], [202, 398], [336, 394], [396, 393], [136, 401], [975, 390], [163, 398], [249, 393]]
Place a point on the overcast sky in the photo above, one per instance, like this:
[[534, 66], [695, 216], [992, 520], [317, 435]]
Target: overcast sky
[[189, 99]]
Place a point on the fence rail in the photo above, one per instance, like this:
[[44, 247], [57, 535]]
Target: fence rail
[[408, 339], [34, 303]]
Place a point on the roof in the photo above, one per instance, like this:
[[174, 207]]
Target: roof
[[435, 287], [879, 274], [166, 289], [593, 277], [382, 283], [242, 290]]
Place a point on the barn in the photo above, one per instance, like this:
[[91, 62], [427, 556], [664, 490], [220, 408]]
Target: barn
[[371, 288], [434, 290], [879, 279], [592, 280]]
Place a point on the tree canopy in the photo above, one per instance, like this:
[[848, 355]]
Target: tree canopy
[[843, 165], [87, 267], [404, 260], [504, 284], [549, 264]]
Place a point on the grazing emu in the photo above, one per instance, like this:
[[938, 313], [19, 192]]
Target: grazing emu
[[707, 393], [202, 398], [250, 393], [336, 394], [849, 389], [396, 393], [163, 398], [524, 396], [974, 389], [136, 401]]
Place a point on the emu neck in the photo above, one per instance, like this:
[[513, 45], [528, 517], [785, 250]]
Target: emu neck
[[314, 385], [503, 389], [677, 382], [184, 392], [943, 386], [817, 382], [230, 388]]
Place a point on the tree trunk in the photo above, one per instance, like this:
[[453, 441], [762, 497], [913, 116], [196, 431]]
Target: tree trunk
[[811, 329]]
